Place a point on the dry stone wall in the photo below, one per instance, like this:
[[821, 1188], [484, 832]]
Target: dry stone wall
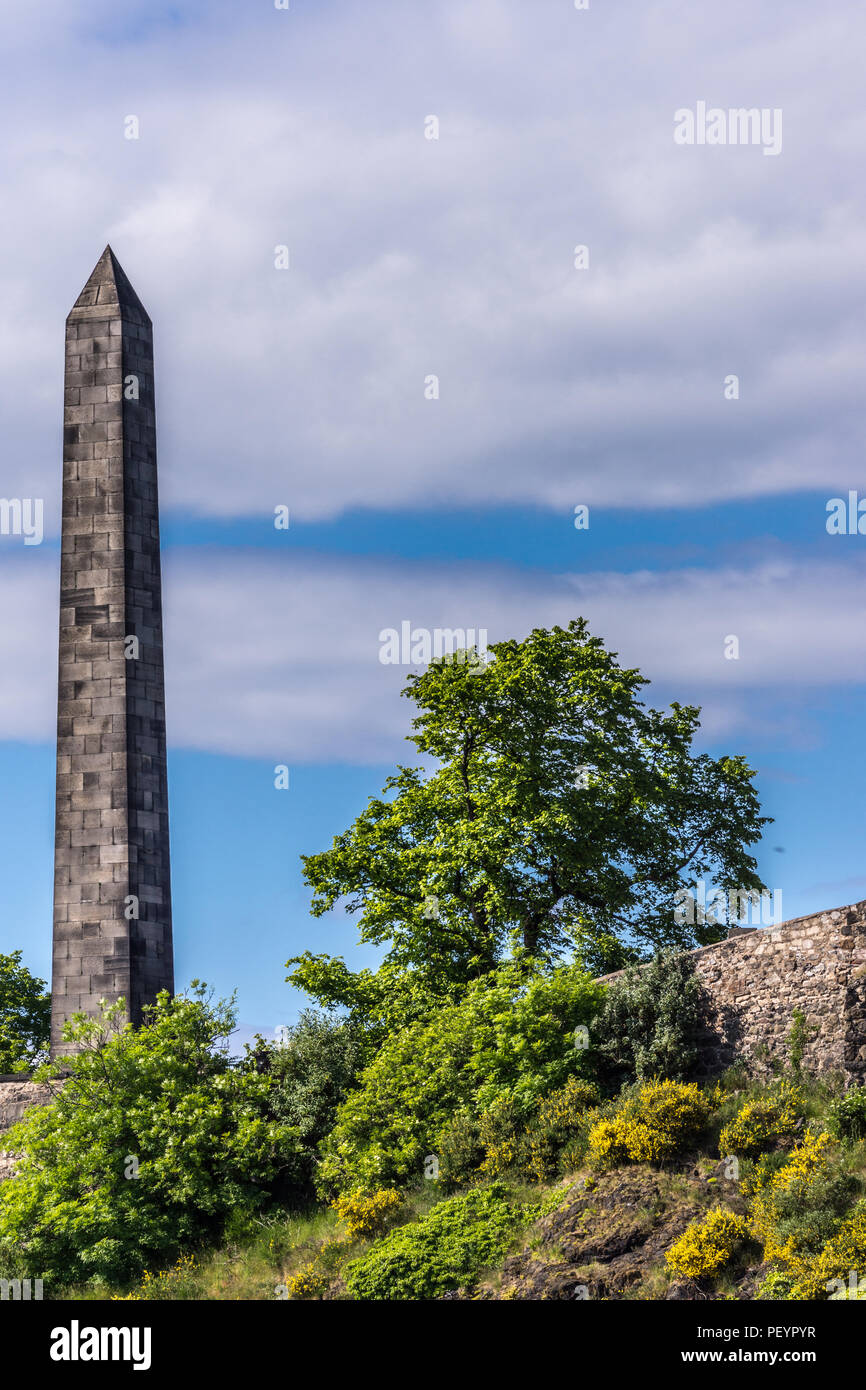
[[755, 980]]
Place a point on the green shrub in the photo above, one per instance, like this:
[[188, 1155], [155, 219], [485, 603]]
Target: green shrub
[[501, 1130], [776, 1286], [510, 1038], [460, 1150], [847, 1115], [560, 1122], [153, 1141], [444, 1251], [313, 1069], [647, 1024]]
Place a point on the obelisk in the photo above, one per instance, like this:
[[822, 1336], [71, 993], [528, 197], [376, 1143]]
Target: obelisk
[[112, 895]]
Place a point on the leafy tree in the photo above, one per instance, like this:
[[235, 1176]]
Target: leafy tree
[[25, 1016], [378, 1002], [510, 1038], [559, 811], [153, 1140]]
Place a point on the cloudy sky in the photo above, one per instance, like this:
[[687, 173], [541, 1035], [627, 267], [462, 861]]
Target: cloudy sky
[[606, 385]]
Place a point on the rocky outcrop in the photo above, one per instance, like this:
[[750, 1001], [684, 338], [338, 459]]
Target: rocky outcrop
[[607, 1240]]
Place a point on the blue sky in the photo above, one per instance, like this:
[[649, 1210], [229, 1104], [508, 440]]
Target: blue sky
[[305, 387]]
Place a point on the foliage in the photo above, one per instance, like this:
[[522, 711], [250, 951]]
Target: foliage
[[561, 811], [315, 1277], [647, 1024], [846, 1118], [560, 1120], [652, 1123], [501, 1132], [443, 1251], [172, 1283], [801, 1034], [776, 1286], [153, 1140], [460, 1150], [799, 1209], [312, 1070], [511, 1037], [708, 1244], [365, 1216], [759, 1123], [378, 1003], [25, 1016], [843, 1255]]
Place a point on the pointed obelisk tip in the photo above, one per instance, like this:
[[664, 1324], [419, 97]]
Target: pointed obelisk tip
[[108, 291]]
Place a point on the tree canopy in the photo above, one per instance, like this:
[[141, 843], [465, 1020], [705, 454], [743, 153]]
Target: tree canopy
[[25, 1015], [556, 811]]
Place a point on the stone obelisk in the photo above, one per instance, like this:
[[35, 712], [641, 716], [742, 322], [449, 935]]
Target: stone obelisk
[[112, 895]]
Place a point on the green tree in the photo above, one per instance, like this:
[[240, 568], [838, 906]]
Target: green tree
[[557, 811], [154, 1139], [25, 1015]]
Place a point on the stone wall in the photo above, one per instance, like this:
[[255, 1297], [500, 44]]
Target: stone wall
[[755, 980], [17, 1094]]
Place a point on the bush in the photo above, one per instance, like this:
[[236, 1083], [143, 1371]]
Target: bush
[[648, 1021], [460, 1150], [444, 1251], [312, 1070], [651, 1124], [501, 1132], [153, 1141], [559, 1123], [368, 1216], [759, 1123], [314, 1279], [607, 1143], [775, 1287], [847, 1115], [843, 1255], [707, 1245], [799, 1209], [180, 1281], [510, 1038]]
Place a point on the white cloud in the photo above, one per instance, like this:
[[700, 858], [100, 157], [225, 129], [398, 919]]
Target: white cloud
[[278, 657], [453, 257]]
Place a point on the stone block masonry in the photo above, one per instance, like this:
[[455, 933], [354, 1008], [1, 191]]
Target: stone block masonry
[[755, 980], [112, 894]]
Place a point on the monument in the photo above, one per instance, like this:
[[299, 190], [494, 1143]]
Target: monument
[[112, 893]]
